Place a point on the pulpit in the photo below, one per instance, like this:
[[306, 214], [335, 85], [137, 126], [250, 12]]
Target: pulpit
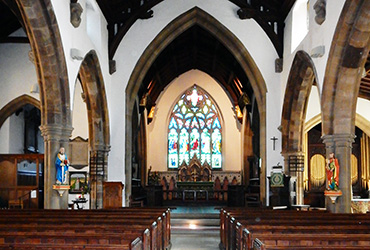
[[112, 192]]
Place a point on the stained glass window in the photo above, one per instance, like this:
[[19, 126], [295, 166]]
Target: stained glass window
[[195, 130]]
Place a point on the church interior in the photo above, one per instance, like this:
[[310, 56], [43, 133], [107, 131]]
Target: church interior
[[248, 120]]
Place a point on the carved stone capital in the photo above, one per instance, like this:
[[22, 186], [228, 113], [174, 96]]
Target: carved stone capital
[[320, 10], [338, 140], [55, 132], [76, 11]]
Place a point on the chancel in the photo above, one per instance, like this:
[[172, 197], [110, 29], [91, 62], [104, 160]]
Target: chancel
[[159, 120]]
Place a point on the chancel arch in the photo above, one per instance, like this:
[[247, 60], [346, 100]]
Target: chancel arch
[[195, 21]]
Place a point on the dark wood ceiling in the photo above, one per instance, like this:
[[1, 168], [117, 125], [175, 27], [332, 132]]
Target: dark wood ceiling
[[121, 15], [196, 48], [9, 22]]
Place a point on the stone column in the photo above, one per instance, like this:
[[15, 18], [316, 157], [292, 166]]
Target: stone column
[[55, 136], [341, 146]]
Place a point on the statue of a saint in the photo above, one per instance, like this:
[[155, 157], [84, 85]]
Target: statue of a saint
[[332, 173], [62, 165]]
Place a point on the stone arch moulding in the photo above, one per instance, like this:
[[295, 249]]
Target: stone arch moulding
[[45, 40], [190, 18], [96, 102], [297, 92], [361, 122], [347, 56], [16, 104]]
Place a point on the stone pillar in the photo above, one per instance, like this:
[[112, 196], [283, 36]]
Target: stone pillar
[[296, 173], [55, 136], [341, 146]]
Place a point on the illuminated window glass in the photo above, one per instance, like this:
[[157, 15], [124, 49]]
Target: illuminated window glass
[[195, 130]]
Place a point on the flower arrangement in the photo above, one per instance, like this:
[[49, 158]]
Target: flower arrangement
[[85, 188], [153, 178]]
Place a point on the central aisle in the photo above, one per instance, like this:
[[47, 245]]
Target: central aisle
[[195, 228]]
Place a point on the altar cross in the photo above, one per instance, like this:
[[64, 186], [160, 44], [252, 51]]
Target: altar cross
[[274, 139]]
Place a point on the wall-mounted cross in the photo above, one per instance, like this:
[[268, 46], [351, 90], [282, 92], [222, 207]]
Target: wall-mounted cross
[[274, 139]]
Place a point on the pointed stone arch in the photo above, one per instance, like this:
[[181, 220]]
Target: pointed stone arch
[[39, 20], [94, 95], [16, 104], [96, 102], [46, 44], [297, 92], [196, 16], [347, 56], [361, 122]]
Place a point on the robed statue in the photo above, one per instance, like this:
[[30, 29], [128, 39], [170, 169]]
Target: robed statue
[[62, 165], [332, 173]]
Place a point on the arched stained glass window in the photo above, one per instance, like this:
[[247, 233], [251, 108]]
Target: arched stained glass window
[[195, 130]]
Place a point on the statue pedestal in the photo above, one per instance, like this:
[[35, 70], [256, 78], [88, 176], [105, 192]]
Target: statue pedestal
[[333, 195], [61, 188]]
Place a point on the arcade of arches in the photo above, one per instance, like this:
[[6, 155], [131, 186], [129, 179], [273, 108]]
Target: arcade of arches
[[193, 95]]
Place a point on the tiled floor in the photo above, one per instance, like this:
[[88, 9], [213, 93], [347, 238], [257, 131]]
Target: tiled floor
[[205, 237], [196, 210], [195, 242]]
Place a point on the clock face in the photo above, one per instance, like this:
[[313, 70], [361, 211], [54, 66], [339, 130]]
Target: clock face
[[277, 180]]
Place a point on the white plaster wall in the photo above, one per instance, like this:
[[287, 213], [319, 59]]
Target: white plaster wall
[[79, 114], [363, 108], [12, 135], [158, 128], [82, 38], [313, 107], [144, 31], [4, 137], [16, 133], [317, 35], [17, 72]]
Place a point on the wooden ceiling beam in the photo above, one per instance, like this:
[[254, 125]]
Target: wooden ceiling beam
[[15, 39], [142, 12]]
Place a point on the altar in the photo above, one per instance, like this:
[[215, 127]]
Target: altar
[[195, 190], [360, 206]]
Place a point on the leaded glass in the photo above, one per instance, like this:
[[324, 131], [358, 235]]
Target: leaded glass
[[206, 147], [216, 149], [194, 130], [194, 143], [172, 148], [184, 146]]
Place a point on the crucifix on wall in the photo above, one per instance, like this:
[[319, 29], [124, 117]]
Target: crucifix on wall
[[274, 139]]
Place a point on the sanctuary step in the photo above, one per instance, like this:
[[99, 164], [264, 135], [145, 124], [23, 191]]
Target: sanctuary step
[[195, 221]]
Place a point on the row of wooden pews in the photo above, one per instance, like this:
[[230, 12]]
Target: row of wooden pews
[[262, 229], [124, 229]]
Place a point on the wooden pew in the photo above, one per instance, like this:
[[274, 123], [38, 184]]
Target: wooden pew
[[240, 227], [116, 224], [164, 225]]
